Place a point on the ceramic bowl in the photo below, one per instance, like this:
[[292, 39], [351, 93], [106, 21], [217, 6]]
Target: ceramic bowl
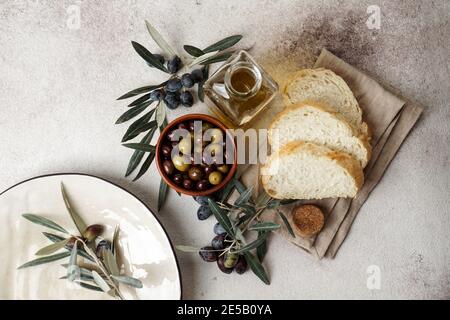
[[163, 137]]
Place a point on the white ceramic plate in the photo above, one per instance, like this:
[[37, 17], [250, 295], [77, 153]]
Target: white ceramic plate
[[146, 251]]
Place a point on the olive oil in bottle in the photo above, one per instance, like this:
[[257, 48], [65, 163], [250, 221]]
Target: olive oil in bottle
[[240, 89]]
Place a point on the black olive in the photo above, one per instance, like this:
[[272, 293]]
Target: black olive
[[101, 247], [218, 229], [209, 169], [202, 200], [202, 185], [203, 212], [174, 64], [92, 232], [218, 242], [168, 167], [188, 184], [207, 254], [178, 178], [156, 95], [187, 80], [195, 173], [241, 266], [186, 99], [221, 265], [166, 151], [197, 75]]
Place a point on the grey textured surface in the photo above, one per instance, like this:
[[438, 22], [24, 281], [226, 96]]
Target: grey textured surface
[[57, 114]]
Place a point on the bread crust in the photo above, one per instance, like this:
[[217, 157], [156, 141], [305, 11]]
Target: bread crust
[[363, 129], [344, 160], [324, 107]]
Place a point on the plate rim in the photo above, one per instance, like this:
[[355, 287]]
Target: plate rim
[[123, 189]]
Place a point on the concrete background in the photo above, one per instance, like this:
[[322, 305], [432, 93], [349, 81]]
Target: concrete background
[[57, 114]]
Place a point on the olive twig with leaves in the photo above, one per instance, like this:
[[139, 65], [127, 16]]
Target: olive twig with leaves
[[230, 248], [172, 93], [102, 273]]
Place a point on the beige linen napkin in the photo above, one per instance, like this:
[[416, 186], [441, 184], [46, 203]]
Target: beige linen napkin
[[390, 120]]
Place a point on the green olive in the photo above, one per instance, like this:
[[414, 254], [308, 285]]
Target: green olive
[[180, 163], [185, 145], [223, 168], [215, 178], [230, 260], [216, 135]]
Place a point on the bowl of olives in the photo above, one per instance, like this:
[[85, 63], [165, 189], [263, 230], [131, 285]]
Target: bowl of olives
[[196, 155]]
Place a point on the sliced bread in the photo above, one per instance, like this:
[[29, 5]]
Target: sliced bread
[[324, 86], [312, 122], [302, 170]]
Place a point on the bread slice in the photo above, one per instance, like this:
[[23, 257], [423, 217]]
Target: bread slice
[[324, 86], [303, 170], [313, 122]]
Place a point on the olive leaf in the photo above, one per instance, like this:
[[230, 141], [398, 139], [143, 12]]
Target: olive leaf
[[193, 51], [157, 37], [263, 199], [264, 226], [142, 127], [52, 248], [275, 203], [110, 262], [286, 222], [256, 267], [218, 58], [115, 239], [140, 100], [133, 112], [239, 235], [244, 197], [252, 245], [136, 127], [221, 217], [148, 56], [200, 90], [239, 186], [77, 220], [223, 44], [89, 286], [100, 282], [133, 282], [163, 189], [160, 114], [140, 146], [202, 58], [138, 154], [43, 222], [84, 275], [193, 249], [140, 90], [187, 248], [262, 248], [46, 259], [73, 271], [55, 238], [225, 193], [145, 166]]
